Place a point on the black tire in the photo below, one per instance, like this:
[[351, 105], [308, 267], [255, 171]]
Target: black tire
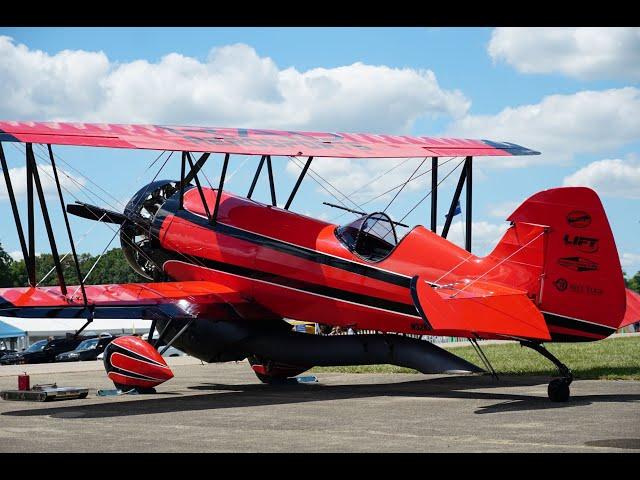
[[269, 379], [558, 390]]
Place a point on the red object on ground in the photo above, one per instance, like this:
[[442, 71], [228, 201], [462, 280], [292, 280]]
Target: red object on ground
[[23, 382], [132, 362]]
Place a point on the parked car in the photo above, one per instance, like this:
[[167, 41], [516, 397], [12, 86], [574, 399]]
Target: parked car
[[87, 350], [6, 351], [43, 351]]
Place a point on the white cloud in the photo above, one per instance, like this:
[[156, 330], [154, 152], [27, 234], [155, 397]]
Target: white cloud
[[361, 176], [233, 87], [611, 177], [503, 209], [484, 235], [560, 126], [68, 182], [582, 52], [630, 262]]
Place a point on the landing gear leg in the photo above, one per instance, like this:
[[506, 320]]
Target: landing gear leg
[[558, 389]]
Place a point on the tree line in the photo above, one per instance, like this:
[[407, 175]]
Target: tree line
[[112, 268]]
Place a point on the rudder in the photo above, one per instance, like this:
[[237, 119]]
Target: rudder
[[582, 293]]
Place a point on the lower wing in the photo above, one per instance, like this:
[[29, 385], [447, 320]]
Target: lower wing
[[149, 301]]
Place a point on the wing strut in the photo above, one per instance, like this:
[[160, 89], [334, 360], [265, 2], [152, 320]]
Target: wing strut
[[214, 218], [434, 193], [195, 177], [177, 335], [465, 175], [255, 177], [66, 221], [272, 187], [33, 177], [298, 182], [14, 206]]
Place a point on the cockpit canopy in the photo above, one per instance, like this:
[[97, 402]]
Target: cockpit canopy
[[371, 237]]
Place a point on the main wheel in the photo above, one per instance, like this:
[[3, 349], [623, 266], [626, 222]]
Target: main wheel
[[272, 372], [558, 390]]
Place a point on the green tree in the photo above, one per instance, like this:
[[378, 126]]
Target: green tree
[[111, 268], [634, 282], [6, 263]]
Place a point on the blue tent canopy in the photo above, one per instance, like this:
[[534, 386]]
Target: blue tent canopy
[[9, 331]]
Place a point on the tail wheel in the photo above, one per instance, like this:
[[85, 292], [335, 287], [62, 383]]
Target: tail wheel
[[558, 390], [272, 372]]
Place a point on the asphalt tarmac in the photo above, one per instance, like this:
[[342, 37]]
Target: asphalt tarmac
[[223, 408]]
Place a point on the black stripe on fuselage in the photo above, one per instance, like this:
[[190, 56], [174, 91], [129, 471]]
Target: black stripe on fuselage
[[314, 288], [578, 325], [291, 249], [563, 337]]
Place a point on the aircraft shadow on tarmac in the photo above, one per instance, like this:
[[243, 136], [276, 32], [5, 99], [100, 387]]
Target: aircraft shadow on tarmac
[[255, 395]]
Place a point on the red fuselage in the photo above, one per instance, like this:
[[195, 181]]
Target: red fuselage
[[296, 266]]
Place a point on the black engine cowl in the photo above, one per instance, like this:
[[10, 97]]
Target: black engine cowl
[[136, 238]]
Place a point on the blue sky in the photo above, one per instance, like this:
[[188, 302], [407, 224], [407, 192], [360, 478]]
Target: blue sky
[[570, 93]]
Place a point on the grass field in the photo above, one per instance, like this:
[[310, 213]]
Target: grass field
[[611, 359]]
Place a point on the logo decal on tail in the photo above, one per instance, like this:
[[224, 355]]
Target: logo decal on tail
[[578, 264], [579, 219], [584, 244]]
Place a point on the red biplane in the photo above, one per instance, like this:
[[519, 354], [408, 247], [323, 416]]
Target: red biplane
[[225, 271]]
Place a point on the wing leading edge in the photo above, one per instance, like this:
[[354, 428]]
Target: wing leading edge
[[136, 300], [251, 141]]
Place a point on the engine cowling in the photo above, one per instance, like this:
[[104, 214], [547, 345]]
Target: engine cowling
[[135, 237]]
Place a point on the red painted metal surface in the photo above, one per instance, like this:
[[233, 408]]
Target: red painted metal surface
[[555, 271], [131, 361], [632, 314], [250, 141], [528, 253], [122, 294], [24, 382]]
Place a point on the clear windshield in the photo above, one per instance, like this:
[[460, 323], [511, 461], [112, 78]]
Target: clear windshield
[[372, 237], [37, 347]]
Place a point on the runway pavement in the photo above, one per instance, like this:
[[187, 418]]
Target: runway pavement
[[222, 407]]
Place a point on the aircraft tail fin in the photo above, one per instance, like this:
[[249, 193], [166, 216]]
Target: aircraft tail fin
[[561, 250]]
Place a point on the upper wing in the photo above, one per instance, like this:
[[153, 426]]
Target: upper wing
[[135, 300], [485, 310], [251, 142]]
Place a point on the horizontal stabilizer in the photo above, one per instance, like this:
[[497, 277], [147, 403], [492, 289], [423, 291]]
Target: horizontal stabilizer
[[486, 310], [632, 314]]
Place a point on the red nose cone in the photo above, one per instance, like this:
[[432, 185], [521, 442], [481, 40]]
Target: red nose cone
[[132, 362]]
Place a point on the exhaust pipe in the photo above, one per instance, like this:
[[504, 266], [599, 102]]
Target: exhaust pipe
[[311, 350]]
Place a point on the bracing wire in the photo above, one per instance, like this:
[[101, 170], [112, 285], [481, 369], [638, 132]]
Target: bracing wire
[[431, 191], [394, 188], [312, 172]]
